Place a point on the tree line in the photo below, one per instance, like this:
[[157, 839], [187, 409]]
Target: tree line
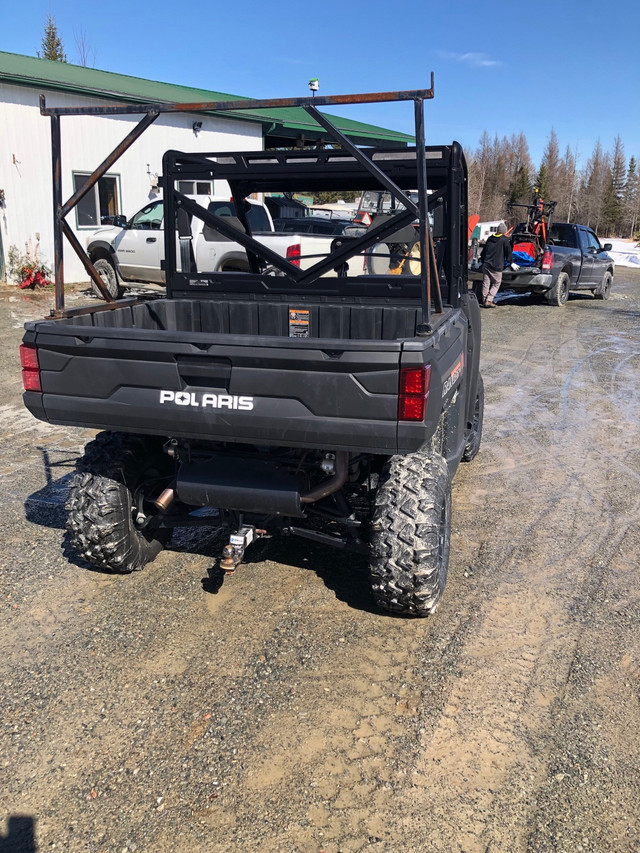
[[604, 194]]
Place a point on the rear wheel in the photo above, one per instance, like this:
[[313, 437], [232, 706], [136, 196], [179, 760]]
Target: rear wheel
[[559, 293], [111, 520], [472, 446], [410, 534], [604, 291], [109, 276]]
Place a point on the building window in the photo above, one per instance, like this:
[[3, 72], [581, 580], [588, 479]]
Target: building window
[[195, 187], [100, 204]]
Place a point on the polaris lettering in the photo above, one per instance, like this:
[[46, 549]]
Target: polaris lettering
[[207, 401], [453, 377]]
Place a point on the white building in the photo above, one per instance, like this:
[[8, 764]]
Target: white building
[[26, 196]]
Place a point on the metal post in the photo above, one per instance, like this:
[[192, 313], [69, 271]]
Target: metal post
[[89, 267], [423, 222], [56, 165]]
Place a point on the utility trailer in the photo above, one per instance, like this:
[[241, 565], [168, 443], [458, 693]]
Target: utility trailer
[[295, 400]]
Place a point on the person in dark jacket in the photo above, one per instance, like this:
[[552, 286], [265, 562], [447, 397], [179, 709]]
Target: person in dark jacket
[[496, 254]]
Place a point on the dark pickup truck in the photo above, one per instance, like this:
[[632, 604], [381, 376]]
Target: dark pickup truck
[[572, 259], [283, 400]]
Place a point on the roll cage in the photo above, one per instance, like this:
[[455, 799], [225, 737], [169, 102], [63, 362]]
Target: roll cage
[[438, 173]]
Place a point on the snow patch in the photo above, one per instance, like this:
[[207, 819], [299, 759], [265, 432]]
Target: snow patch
[[625, 253]]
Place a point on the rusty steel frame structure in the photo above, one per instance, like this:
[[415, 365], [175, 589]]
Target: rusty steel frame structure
[[151, 111]]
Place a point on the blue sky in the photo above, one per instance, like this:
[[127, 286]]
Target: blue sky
[[574, 65]]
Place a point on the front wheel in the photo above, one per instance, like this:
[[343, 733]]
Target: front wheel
[[604, 291], [411, 534], [111, 520], [559, 293], [109, 276]]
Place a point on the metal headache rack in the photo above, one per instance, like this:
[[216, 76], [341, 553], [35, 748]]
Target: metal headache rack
[[396, 171]]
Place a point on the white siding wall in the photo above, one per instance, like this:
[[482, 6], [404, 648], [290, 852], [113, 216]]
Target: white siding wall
[[25, 162]]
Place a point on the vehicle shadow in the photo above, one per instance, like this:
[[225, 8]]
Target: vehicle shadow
[[344, 573], [46, 506], [511, 298], [21, 835]]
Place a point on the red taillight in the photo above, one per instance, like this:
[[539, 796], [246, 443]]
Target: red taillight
[[29, 357], [547, 260], [293, 254], [413, 393], [30, 368]]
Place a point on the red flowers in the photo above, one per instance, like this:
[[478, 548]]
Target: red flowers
[[33, 275], [26, 269]]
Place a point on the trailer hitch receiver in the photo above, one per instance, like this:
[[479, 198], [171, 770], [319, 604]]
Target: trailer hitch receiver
[[233, 553]]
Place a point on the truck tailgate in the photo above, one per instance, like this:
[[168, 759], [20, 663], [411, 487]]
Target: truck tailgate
[[291, 392]]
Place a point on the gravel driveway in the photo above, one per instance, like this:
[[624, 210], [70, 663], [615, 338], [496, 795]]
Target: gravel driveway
[[162, 712]]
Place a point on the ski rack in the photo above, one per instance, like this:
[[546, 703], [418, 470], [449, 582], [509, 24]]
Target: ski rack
[[151, 111]]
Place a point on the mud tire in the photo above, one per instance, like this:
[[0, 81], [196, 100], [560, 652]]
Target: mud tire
[[411, 534], [472, 446], [604, 291], [108, 274], [559, 293], [100, 519]]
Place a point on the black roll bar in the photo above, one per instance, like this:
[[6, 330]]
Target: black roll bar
[[151, 111]]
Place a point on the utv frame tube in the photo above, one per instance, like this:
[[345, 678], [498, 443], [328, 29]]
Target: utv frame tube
[[151, 112]]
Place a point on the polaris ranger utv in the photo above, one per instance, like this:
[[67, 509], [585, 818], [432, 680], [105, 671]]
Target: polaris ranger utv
[[296, 401]]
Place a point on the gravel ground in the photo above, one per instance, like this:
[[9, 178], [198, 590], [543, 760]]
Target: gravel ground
[[163, 712]]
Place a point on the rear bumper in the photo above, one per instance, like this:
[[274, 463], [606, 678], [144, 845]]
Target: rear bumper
[[522, 279]]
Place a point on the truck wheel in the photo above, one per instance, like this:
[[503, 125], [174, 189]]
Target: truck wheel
[[410, 534], [559, 293], [472, 446], [110, 277], [604, 291], [106, 496]]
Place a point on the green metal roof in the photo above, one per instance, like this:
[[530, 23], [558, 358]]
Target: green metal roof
[[45, 74]]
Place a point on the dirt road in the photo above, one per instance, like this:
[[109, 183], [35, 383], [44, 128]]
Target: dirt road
[[162, 712]]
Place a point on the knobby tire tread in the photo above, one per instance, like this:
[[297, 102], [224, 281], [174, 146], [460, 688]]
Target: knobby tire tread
[[408, 568], [99, 506]]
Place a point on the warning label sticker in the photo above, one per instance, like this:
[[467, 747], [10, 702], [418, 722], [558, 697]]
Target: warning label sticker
[[298, 322]]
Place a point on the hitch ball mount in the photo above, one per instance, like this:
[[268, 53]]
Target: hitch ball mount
[[233, 553]]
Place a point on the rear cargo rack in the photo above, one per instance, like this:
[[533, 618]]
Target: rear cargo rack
[[391, 170]]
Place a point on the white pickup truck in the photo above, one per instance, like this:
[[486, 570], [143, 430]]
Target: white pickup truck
[[133, 250]]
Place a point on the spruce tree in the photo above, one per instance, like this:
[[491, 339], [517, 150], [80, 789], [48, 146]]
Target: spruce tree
[[542, 182], [618, 176], [520, 191], [552, 167], [52, 43], [631, 200]]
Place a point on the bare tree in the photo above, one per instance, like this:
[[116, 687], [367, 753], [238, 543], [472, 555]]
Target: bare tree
[[86, 54], [595, 178], [567, 184], [479, 166]]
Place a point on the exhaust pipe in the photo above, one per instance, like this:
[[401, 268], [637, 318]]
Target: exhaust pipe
[[164, 501], [328, 487]]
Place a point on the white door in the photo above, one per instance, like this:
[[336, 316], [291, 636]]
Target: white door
[[140, 246]]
